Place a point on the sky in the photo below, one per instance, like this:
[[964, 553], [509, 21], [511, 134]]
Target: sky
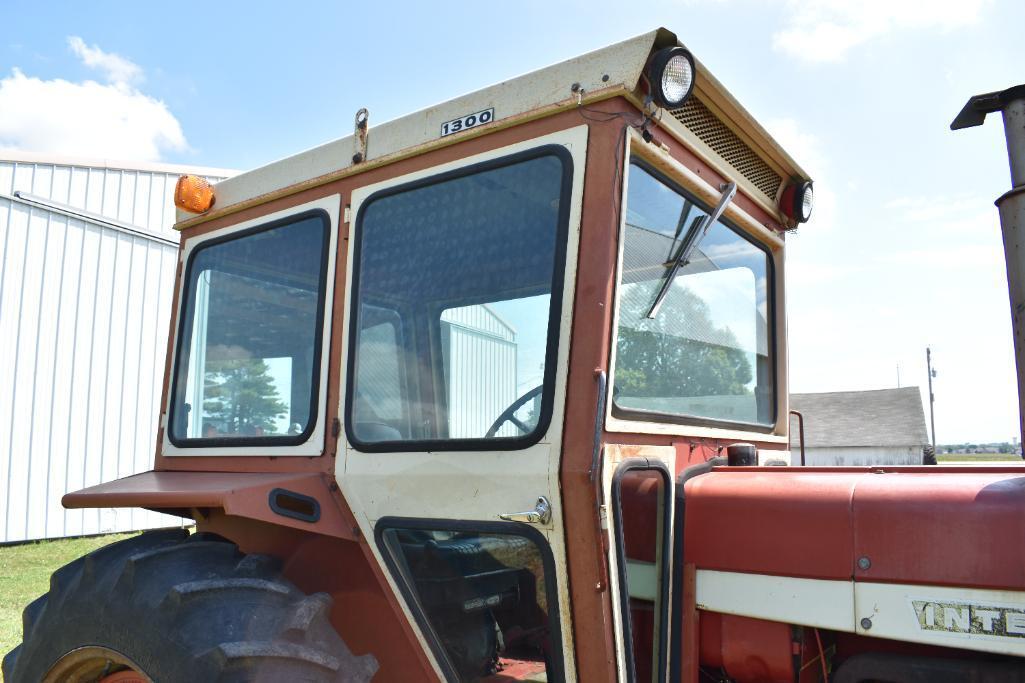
[[903, 251]]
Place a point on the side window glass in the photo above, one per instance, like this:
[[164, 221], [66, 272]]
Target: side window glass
[[486, 600], [471, 266], [643, 545], [248, 361], [379, 404]]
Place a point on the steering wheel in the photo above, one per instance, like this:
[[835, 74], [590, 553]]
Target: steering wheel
[[509, 414]]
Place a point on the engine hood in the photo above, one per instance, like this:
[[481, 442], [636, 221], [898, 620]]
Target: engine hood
[[939, 526]]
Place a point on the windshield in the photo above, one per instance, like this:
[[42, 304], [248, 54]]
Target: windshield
[[456, 289], [249, 351], [706, 352]]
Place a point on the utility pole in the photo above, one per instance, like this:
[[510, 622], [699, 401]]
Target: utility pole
[[1011, 105], [932, 399], [898, 375]]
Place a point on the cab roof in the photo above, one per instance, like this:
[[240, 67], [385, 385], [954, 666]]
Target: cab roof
[[711, 122]]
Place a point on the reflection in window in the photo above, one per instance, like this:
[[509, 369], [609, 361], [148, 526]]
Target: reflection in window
[[706, 352], [486, 599], [462, 272], [247, 363]]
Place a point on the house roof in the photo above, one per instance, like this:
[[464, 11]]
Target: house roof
[[882, 417]]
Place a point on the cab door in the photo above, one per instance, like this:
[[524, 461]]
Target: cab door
[[459, 301]]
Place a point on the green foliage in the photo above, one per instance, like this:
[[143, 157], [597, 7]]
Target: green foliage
[[241, 397], [653, 359]]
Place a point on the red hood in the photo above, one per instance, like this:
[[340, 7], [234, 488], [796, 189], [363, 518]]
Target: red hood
[[943, 526]]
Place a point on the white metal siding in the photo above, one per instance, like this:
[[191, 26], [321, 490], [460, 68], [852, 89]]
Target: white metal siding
[[481, 370], [84, 312], [860, 455]]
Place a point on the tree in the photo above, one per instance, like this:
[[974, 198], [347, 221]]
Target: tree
[[655, 360], [240, 397]]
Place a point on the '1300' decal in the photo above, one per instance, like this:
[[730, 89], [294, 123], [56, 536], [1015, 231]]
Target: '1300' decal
[[469, 121]]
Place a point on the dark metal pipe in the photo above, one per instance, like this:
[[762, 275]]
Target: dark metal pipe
[[800, 427]]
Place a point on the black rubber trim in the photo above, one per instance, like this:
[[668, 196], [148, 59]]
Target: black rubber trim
[[653, 416], [676, 654], [185, 339], [275, 502], [634, 465], [404, 581], [554, 312]]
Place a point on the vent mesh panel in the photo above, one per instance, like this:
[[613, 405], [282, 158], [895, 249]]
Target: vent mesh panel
[[696, 117]]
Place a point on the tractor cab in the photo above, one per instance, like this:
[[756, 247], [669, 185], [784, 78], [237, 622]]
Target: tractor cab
[[453, 371]]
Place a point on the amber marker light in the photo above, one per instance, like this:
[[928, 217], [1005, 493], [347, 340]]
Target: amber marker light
[[193, 194]]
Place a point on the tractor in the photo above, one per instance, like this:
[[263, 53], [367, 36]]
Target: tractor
[[497, 391]]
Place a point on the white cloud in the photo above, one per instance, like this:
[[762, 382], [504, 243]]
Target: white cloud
[[807, 152], [116, 68], [113, 120], [825, 30], [965, 216]]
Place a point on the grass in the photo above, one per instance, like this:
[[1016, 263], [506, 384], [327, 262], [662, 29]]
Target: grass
[[25, 575], [977, 457]]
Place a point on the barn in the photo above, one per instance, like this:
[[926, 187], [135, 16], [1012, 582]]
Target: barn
[[879, 427], [87, 264]]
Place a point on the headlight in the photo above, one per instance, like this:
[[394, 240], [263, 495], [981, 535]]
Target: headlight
[[671, 74]]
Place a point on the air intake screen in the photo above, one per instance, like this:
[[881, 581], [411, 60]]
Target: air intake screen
[[696, 117]]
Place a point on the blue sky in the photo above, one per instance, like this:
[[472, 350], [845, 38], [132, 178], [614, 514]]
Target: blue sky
[[904, 249]]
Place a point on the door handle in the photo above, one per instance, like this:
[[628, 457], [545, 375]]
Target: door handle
[[541, 514]]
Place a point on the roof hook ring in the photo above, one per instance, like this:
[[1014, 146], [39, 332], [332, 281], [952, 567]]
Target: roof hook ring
[[361, 132]]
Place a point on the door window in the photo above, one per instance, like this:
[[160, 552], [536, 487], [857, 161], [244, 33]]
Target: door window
[[484, 595], [470, 266]]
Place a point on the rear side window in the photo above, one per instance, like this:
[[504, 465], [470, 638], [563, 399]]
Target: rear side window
[[457, 293], [248, 361]]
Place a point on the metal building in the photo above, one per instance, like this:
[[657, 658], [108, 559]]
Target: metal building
[[87, 263], [478, 344], [878, 427]]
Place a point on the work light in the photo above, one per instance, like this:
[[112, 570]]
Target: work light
[[797, 201], [671, 74]]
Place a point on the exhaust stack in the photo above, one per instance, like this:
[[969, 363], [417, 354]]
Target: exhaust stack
[[1011, 104]]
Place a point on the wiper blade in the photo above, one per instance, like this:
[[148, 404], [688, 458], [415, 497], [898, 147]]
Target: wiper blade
[[690, 242]]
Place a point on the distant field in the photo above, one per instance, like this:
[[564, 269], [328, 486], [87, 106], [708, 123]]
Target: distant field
[[25, 575], [978, 457]]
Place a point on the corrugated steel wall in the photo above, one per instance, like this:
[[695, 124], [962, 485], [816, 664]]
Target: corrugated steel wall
[[480, 345], [859, 456], [84, 311]]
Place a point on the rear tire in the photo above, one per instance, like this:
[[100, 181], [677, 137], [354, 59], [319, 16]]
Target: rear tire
[[928, 455], [184, 608]]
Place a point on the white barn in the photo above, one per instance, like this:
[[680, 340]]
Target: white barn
[[880, 427], [87, 264]]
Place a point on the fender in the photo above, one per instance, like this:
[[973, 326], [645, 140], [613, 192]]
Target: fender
[[284, 499]]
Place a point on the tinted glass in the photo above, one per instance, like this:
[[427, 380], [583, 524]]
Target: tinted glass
[[706, 352], [454, 293], [485, 597], [248, 360], [640, 511]]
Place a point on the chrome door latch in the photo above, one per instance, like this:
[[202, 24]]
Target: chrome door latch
[[541, 514]]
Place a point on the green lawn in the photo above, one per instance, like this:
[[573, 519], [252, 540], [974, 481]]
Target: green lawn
[[25, 575], [977, 457]]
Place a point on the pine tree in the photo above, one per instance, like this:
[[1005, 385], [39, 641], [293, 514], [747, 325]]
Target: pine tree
[[241, 397]]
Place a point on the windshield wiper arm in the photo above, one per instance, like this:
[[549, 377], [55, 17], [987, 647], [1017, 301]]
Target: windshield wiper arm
[[690, 242]]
